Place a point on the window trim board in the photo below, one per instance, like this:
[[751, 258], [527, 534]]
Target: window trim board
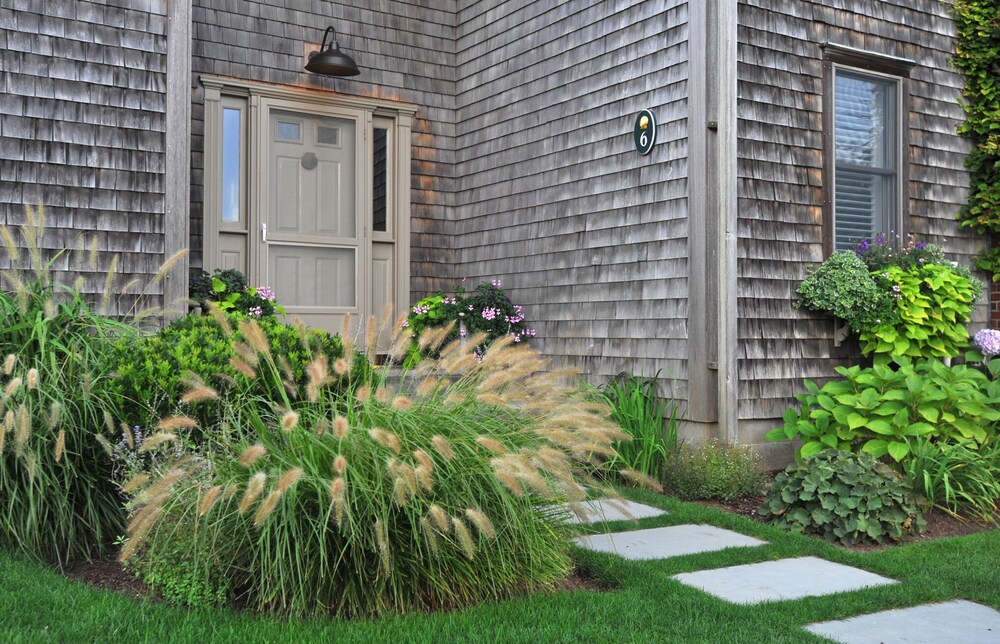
[[876, 65]]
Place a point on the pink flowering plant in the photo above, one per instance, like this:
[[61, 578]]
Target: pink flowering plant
[[230, 289], [486, 310], [901, 299]]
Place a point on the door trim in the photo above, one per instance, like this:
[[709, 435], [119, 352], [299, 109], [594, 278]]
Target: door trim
[[401, 116]]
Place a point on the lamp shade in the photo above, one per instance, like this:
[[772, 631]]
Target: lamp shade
[[330, 61]]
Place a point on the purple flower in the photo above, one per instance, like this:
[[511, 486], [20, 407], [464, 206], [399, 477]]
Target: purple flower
[[255, 311], [265, 293], [988, 341], [895, 287], [880, 239], [921, 245]]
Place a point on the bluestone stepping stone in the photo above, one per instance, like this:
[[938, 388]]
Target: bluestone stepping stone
[[603, 510], [957, 621], [671, 541], [782, 579]]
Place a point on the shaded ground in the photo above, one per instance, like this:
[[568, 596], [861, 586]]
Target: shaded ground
[[939, 524], [108, 574]]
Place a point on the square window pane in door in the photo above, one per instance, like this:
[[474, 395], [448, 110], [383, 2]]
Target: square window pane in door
[[308, 276]]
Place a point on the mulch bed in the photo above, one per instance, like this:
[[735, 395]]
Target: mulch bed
[[108, 574], [939, 524]]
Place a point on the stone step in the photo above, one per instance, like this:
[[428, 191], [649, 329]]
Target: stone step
[[598, 510], [671, 541], [955, 621], [781, 580]]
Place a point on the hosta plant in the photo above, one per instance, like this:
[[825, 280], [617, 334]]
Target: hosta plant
[[369, 499], [845, 497], [880, 409]]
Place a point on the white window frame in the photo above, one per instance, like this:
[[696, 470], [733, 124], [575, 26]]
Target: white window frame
[[879, 67]]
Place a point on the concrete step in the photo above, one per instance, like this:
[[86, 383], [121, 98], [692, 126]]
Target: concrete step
[[780, 580]]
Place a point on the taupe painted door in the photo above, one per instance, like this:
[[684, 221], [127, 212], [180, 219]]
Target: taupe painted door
[[313, 246]]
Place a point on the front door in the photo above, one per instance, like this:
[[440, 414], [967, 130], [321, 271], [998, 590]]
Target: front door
[[313, 249]]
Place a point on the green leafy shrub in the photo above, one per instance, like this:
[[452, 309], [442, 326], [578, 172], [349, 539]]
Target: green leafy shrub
[[845, 497], [487, 310], [650, 422], [900, 299], [977, 56], [185, 570], [880, 409], [960, 478], [154, 371], [364, 500], [844, 287], [230, 290], [933, 306], [713, 471], [57, 412]]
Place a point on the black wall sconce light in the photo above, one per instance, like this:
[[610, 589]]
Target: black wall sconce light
[[330, 61]]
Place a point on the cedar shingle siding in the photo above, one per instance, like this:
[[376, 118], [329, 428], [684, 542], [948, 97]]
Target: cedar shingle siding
[[780, 157], [552, 196], [523, 166], [82, 116]]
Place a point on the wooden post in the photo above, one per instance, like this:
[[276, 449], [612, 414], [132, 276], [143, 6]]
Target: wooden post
[[177, 196]]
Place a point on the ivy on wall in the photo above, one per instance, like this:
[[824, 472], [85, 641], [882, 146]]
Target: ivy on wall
[[977, 56]]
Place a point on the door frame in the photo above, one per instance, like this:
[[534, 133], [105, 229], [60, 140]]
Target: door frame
[[399, 115]]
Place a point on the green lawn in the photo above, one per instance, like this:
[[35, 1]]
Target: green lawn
[[37, 604]]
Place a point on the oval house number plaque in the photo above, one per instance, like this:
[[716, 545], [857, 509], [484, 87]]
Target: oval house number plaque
[[644, 132]]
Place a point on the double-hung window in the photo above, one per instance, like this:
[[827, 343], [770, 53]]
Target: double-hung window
[[865, 116]]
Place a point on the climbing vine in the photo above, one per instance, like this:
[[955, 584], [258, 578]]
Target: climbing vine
[[977, 56]]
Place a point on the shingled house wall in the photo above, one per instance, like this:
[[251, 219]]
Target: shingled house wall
[[552, 196], [780, 160], [82, 120], [523, 165]]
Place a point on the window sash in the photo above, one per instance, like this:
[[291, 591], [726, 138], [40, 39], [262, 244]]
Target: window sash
[[866, 138]]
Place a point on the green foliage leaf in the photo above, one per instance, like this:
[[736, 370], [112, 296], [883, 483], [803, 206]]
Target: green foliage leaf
[[844, 497]]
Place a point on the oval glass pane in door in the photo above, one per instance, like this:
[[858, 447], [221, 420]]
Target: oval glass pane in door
[[312, 243]]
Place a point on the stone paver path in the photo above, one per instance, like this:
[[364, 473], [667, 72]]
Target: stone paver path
[[605, 510], [788, 579], [671, 541], [958, 621], [781, 579]]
